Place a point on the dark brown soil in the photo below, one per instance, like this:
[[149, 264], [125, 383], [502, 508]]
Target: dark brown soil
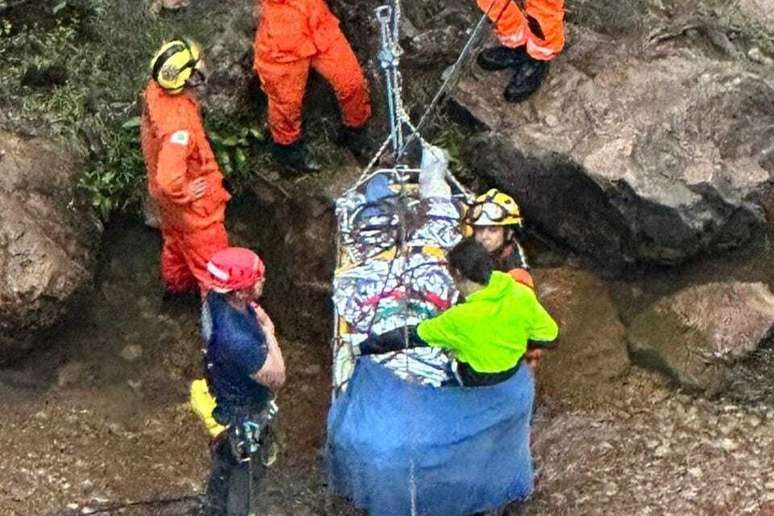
[[86, 428]]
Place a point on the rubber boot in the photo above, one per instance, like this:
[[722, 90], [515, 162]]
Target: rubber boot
[[500, 58], [526, 80], [357, 140], [295, 157]]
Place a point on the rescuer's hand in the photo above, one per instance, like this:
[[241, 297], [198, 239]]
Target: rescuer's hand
[[272, 374], [532, 357], [197, 188]]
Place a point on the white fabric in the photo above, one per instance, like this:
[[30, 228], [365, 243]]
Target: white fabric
[[514, 40], [432, 175], [533, 48], [385, 290], [217, 272], [179, 138]]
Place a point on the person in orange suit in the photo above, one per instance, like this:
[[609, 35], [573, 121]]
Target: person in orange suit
[[531, 34], [183, 176], [292, 37]]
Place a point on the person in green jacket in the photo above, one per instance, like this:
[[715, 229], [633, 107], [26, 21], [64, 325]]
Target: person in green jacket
[[489, 332]]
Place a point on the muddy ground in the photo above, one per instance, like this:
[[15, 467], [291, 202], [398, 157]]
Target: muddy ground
[[100, 421]]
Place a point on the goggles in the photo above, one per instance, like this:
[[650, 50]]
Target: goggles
[[486, 212]]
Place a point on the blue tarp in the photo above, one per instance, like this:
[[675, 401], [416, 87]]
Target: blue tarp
[[461, 450]]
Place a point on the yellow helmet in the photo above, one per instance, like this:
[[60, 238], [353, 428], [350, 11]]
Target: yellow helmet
[[175, 63], [494, 208]]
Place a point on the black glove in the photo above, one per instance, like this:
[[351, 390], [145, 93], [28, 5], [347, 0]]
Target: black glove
[[392, 340]]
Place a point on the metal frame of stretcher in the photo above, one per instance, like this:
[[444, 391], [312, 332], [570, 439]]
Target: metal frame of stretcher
[[407, 178]]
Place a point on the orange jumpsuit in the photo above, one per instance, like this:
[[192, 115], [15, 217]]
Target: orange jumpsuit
[[294, 35], [176, 153], [539, 25]]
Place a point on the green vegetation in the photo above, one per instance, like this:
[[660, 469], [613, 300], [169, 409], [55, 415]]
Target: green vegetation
[[236, 145], [452, 136], [116, 180], [73, 71], [755, 31]]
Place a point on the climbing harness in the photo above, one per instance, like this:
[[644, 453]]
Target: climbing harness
[[245, 439], [245, 434]]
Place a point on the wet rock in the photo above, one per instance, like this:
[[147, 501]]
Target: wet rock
[[640, 168], [131, 352], [69, 374], [229, 64], [156, 6], [695, 335], [759, 10], [48, 240]]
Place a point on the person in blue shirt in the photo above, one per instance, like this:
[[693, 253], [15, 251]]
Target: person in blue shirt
[[244, 368]]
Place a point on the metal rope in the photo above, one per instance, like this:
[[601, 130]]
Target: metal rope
[[450, 81], [389, 56]]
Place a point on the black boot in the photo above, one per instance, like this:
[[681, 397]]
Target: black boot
[[295, 157], [500, 58], [526, 80], [357, 140]]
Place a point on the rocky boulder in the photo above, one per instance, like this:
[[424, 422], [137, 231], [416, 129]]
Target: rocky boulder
[[48, 240], [636, 150], [695, 335], [229, 62], [759, 11]]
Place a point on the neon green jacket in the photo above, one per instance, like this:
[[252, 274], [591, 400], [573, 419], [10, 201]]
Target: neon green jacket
[[490, 330]]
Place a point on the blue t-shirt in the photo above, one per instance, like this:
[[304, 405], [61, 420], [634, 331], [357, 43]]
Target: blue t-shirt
[[236, 350]]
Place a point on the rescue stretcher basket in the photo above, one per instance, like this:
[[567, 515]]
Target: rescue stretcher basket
[[399, 441]]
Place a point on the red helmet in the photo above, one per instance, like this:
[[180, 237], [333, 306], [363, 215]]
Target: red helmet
[[234, 268]]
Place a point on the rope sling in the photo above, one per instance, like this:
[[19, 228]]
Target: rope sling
[[402, 132]]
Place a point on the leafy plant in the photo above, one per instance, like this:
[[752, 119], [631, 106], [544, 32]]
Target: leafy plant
[[105, 63], [232, 149], [452, 137], [116, 181]]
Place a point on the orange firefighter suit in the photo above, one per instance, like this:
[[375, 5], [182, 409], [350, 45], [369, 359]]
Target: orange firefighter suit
[[539, 25], [292, 36], [177, 153]]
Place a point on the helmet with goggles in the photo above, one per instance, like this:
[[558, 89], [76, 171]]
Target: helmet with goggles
[[494, 208], [176, 63]]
